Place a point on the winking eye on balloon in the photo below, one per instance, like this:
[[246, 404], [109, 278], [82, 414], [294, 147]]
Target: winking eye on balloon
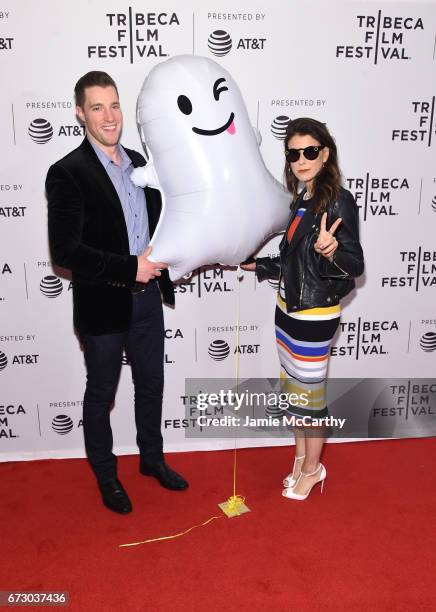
[[219, 201], [185, 105]]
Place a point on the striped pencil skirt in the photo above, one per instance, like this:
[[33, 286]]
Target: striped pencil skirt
[[303, 344]]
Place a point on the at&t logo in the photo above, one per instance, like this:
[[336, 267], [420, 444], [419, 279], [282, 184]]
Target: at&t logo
[[219, 349], [62, 424], [428, 342], [41, 131], [220, 43], [383, 38], [23, 359], [373, 195], [51, 286], [279, 126], [12, 212]]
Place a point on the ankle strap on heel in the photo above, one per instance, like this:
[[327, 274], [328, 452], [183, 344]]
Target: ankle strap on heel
[[312, 473]]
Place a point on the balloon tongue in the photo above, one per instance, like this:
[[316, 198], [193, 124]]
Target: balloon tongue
[[231, 129]]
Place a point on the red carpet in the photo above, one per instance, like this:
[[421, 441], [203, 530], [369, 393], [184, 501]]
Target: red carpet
[[367, 543]]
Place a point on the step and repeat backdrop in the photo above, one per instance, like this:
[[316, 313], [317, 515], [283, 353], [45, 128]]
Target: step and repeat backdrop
[[367, 69]]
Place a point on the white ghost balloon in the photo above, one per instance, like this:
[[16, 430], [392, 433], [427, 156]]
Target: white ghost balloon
[[219, 200]]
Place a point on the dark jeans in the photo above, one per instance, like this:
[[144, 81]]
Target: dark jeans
[[144, 345]]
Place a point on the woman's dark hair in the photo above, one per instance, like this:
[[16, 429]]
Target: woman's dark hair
[[90, 79], [327, 183]]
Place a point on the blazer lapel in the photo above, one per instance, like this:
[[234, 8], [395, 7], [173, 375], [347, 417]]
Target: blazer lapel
[[105, 186], [152, 196], [109, 192]]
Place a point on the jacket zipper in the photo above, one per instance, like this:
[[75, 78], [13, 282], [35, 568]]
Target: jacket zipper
[[339, 268], [304, 269]]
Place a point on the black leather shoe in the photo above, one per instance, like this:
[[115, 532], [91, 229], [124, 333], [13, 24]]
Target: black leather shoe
[[167, 477], [115, 497]]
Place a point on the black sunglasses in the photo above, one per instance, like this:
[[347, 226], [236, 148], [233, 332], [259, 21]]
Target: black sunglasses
[[312, 152]]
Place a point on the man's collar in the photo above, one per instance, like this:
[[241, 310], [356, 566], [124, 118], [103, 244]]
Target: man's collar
[[106, 160]]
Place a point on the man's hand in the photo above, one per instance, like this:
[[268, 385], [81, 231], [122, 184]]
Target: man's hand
[[249, 264], [147, 270], [327, 244], [251, 267]]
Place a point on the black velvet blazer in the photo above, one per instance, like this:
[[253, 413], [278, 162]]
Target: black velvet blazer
[[88, 235]]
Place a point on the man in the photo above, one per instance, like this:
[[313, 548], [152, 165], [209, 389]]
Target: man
[[99, 227]]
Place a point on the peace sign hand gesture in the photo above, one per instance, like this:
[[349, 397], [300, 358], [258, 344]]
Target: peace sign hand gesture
[[326, 243]]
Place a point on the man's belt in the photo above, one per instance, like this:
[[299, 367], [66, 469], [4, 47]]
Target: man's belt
[[138, 288]]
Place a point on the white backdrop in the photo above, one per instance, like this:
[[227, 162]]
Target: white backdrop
[[365, 68]]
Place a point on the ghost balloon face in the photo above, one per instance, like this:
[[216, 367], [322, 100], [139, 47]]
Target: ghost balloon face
[[185, 105], [219, 200]]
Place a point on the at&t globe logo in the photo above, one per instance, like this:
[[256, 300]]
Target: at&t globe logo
[[3, 361], [219, 43], [40, 131], [218, 350], [51, 286], [279, 125], [428, 342], [62, 424]]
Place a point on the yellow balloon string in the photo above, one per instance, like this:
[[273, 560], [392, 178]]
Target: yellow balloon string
[[234, 500], [171, 537], [238, 280]]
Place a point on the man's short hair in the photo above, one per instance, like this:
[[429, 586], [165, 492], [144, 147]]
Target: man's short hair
[[91, 79]]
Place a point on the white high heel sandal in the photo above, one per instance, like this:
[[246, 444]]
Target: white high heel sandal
[[289, 492], [289, 481]]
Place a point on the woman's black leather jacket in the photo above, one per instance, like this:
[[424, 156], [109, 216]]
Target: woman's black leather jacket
[[309, 279]]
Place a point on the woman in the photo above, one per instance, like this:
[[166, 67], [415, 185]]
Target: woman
[[316, 268]]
